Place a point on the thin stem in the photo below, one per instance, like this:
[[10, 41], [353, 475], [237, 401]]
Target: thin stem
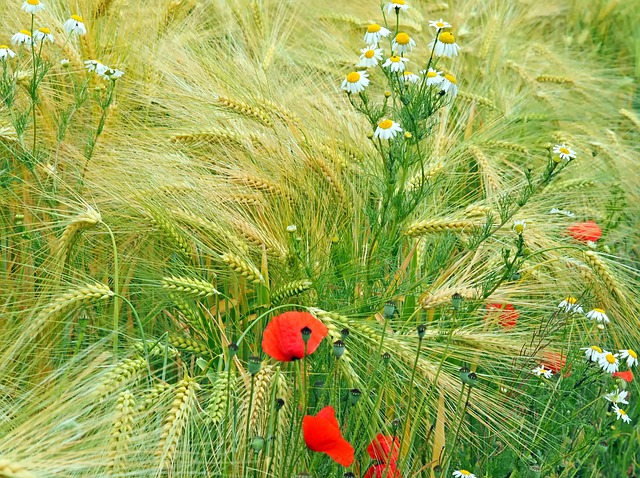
[[33, 84], [245, 466], [116, 290]]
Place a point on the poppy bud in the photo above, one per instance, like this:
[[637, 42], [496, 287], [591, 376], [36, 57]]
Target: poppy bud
[[257, 443], [456, 301], [344, 333], [338, 348], [422, 328], [254, 364], [306, 334], [464, 373], [386, 357], [354, 395], [395, 423], [233, 349], [389, 310], [279, 404]]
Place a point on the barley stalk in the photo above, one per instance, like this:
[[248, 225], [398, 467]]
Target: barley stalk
[[121, 433], [10, 469], [123, 373], [245, 109], [242, 267], [289, 290], [435, 226], [189, 285]]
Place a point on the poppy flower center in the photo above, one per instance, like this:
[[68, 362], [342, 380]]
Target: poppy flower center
[[632, 354], [395, 59], [386, 124], [447, 37], [596, 349], [44, 30], [610, 358], [451, 78], [402, 39], [353, 77], [373, 28], [432, 74], [25, 32], [369, 54], [77, 18]]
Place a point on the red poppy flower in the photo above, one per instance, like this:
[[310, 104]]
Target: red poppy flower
[[282, 338], [322, 434], [383, 470], [585, 231], [626, 376], [508, 314], [380, 449], [555, 362]]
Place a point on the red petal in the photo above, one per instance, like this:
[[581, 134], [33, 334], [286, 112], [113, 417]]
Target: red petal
[[383, 471], [508, 314], [322, 434], [627, 376], [555, 362], [585, 231], [282, 337], [380, 448]]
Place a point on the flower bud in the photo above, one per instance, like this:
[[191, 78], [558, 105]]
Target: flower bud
[[407, 135], [464, 373], [422, 329], [344, 333], [387, 94], [471, 379], [386, 357], [338, 348]]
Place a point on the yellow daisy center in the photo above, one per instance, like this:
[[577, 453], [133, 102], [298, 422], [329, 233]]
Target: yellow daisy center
[[465, 472], [373, 28], [353, 77], [447, 37], [564, 151], [402, 39], [599, 311], [77, 18], [431, 74], [399, 2], [407, 73], [44, 30], [610, 358], [25, 32], [622, 412], [4, 47], [596, 349], [395, 59], [571, 300], [632, 354], [386, 124], [33, 2], [440, 24], [369, 53], [451, 78]]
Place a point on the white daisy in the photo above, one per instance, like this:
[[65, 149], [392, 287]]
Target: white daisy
[[439, 24], [75, 24], [374, 33], [410, 77], [617, 397], [43, 34], [355, 82], [64, 62], [33, 6], [96, 66], [463, 474], [592, 353], [519, 226], [564, 152], [402, 43], [445, 45], [540, 371], [5, 52], [621, 414], [598, 314], [555, 210], [631, 356], [399, 5], [449, 84], [395, 63], [292, 228], [387, 129], [608, 362], [370, 56], [570, 304], [113, 74], [23, 37], [433, 77]]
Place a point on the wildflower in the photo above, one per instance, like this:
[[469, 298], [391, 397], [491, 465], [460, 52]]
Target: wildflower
[[398, 5], [282, 338], [383, 470], [631, 356], [75, 24], [570, 304], [370, 56], [449, 83], [292, 228], [508, 314], [598, 314], [64, 62], [387, 129], [113, 74], [95, 66], [23, 37], [410, 77], [43, 34], [5, 52], [355, 82], [592, 353], [384, 448], [627, 375], [395, 63], [374, 33], [519, 226], [608, 362], [555, 210], [618, 397], [402, 42], [585, 231], [445, 45], [565, 153], [439, 24], [33, 6], [322, 434], [540, 371], [622, 415], [463, 474], [433, 77], [555, 362]]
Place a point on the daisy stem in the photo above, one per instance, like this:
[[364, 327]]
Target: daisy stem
[[33, 84], [247, 442]]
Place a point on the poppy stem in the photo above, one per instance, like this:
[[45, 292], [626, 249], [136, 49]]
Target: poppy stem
[[447, 459], [246, 434]]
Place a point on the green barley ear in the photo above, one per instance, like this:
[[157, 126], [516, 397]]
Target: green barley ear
[[431, 227], [176, 421], [9, 469], [121, 432], [188, 345], [242, 267], [479, 100], [82, 221], [153, 396], [601, 269], [289, 290], [190, 286], [263, 382], [217, 136], [172, 233], [125, 372], [207, 226], [490, 179], [217, 403]]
